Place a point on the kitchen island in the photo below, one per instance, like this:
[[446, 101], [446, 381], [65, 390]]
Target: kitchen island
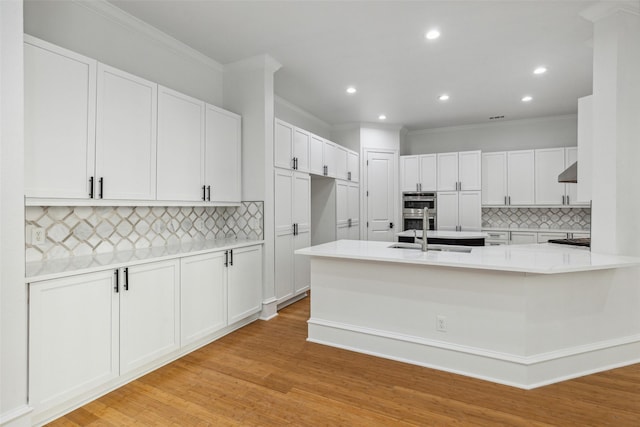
[[525, 315]]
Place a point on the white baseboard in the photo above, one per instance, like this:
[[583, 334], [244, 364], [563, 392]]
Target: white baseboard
[[269, 309], [18, 417]]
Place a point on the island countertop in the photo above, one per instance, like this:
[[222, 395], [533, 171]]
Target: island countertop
[[546, 258]]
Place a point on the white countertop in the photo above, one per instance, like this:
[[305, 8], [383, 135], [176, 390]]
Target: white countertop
[[545, 258], [63, 267], [438, 234]]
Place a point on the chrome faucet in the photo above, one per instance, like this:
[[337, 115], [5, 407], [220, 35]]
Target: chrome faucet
[[425, 228]]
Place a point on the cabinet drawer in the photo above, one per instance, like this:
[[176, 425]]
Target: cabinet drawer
[[545, 237], [497, 235]]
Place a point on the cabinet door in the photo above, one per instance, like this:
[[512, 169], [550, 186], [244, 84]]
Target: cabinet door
[[283, 145], [520, 174], [283, 265], [428, 172], [494, 178], [223, 150], [342, 204], [180, 171], [59, 116], [409, 173], [571, 189], [470, 170], [302, 263], [301, 140], [470, 210], [447, 213], [353, 166], [447, 171], [523, 237], [354, 211], [126, 135], [341, 162], [301, 201], [549, 163], [149, 309], [203, 296], [283, 200], [316, 149], [244, 287], [329, 157], [73, 337]]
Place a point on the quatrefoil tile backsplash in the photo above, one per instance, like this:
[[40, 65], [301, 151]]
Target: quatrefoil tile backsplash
[[545, 218], [89, 230]]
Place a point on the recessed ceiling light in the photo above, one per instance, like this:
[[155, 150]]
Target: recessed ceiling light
[[527, 98], [540, 70], [351, 90], [443, 97], [432, 34], [382, 117]]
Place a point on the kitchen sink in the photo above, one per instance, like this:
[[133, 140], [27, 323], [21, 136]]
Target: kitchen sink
[[434, 248]]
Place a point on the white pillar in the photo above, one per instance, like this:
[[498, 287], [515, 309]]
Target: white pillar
[[616, 127], [14, 410]]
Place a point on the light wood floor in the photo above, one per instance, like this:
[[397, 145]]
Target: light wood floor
[[266, 374]]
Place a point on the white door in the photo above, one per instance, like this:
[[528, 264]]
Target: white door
[[180, 173], [353, 204], [447, 171], [571, 189], [409, 173], [520, 182], [470, 170], [149, 313], [244, 287], [203, 296], [341, 162], [59, 118], [301, 140], [283, 145], [447, 213], [73, 337], [284, 244], [353, 166], [494, 178], [316, 148], [470, 210], [428, 172], [549, 163], [380, 196], [125, 135], [223, 149]]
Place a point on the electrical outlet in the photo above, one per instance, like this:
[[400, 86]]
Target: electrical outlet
[[441, 323], [38, 236]]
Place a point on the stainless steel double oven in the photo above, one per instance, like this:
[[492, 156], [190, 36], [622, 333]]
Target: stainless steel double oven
[[413, 204]]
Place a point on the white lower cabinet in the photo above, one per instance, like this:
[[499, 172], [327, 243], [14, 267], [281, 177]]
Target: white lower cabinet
[[523, 237], [244, 283]]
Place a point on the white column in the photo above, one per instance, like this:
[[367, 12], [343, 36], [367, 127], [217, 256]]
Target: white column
[[13, 291], [616, 127], [249, 91]]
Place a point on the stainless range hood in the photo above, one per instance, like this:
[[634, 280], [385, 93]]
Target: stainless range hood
[[570, 174]]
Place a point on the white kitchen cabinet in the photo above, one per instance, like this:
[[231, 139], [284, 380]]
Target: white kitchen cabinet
[[283, 145], [223, 151], [549, 163], [244, 283], [316, 148], [347, 211], [203, 296], [459, 211], [353, 200], [329, 156], [494, 178], [73, 337], [523, 237], [544, 237], [418, 173], [447, 213], [459, 171], [149, 313], [180, 157], [353, 166], [496, 238], [520, 177], [447, 170], [125, 136], [292, 194], [59, 115], [301, 141], [341, 155]]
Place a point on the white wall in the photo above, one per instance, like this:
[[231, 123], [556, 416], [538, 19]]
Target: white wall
[[101, 31], [347, 135], [296, 116], [548, 132], [13, 291]]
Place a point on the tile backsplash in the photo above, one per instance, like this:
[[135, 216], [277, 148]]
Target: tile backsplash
[[86, 230], [546, 218]]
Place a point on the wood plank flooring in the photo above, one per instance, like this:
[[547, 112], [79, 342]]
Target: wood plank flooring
[[266, 374]]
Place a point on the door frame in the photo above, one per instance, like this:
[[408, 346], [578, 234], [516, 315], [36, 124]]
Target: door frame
[[364, 180]]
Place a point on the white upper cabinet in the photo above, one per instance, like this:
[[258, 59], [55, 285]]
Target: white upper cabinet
[[125, 135], [494, 178], [428, 172], [353, 166], [180, 173], [301, 140], [283, 145], [418, 173], [341, 154], [223, 150], [520, 173], [316, 149], [549, 163], [469, 170], [329, 155], [447, 171], [59, 108]]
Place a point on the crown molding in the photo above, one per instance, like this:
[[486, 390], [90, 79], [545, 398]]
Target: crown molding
[[487, 125], [131, 23], [305, 113], [257, 62], [605, 9]]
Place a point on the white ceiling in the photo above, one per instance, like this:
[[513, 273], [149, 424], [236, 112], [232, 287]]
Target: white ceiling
[[484, 58]]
